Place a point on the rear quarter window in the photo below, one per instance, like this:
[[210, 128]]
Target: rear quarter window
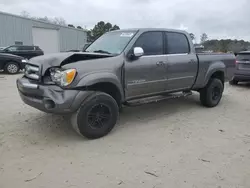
[[243, 57]]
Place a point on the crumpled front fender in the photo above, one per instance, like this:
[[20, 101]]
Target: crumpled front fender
[[101, 77]]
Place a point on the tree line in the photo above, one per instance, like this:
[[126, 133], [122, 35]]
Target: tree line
[[223, 45]]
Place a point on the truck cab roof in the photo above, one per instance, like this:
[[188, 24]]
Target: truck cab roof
[[151, 29]]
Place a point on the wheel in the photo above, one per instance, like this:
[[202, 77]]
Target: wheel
[[233, 82], [210, 96], [12, 68], [96, 117]]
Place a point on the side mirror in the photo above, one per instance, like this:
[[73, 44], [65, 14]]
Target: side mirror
[[138, 52]]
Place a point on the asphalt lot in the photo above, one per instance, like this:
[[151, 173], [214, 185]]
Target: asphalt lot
[[175, 143]]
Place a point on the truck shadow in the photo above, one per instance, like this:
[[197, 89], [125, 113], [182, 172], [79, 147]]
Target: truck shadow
[[59, 127], [243, 85], [155, 111], [4, 73]]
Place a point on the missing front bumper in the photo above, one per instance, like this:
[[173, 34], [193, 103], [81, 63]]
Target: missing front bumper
[[50, 98]]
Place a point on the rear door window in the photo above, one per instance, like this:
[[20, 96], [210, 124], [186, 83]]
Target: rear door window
[[26, 48], [177, 43]]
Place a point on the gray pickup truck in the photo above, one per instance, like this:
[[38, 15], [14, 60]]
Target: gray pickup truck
[[125, 67]]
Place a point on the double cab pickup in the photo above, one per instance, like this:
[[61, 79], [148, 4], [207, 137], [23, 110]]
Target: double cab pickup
[[125, 67]]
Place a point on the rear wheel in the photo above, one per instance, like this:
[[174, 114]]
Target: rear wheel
[[96, 117], [12, 68], [211, 95], [233, 82]]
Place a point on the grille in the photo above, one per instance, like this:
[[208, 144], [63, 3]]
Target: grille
[[32, 72]]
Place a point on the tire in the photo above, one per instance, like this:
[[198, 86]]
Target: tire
[[99, 107], [12, 68], [233, 82], [211, 95]]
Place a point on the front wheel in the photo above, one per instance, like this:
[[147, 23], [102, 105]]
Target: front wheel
[[12, 68], [211, 95], [96, 117]]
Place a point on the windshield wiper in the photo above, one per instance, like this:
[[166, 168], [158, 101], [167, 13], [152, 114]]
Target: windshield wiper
[[101, 51]]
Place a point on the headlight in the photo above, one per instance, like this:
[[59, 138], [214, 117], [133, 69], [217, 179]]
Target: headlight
[[24, 61], [62, 77]]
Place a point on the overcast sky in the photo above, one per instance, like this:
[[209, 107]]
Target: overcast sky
[[218, 18]]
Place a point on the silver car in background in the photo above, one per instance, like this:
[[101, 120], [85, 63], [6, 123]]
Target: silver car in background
[[242, 73]]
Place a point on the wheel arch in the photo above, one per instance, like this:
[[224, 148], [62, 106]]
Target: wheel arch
[[216, 70], [10, 61], [104, 82]]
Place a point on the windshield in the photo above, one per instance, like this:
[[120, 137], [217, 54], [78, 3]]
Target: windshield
[[10, 48], [112, 42]]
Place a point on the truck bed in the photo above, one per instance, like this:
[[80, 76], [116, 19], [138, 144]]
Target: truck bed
[[208, 61]]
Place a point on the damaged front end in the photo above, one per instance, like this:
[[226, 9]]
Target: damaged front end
[[58, 60], [44, 85]]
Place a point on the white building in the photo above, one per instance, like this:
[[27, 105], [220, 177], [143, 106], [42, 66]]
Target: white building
[[17, 30]]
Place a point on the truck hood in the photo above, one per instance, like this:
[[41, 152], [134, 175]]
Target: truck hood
[[68, 60]]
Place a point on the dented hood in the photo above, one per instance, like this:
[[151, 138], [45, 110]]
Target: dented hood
[[61, 59]]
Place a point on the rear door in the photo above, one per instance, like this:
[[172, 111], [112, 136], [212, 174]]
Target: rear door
[[243, 63], [27, 51], [182, 64]]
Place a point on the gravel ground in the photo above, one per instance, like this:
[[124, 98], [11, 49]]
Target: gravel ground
[[175, 143]]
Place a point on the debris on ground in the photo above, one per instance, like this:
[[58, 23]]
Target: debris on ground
[[28, 180], [152, 174], [203, 160], [120, 182]]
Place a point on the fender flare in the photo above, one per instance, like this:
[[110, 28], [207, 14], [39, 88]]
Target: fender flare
[[217, 66], [101, 77]]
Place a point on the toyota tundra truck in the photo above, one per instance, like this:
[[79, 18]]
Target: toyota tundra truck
[[122, 68]]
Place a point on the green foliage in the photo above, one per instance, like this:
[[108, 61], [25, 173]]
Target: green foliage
[[192, 36], [204, 38], [227, 45], [99, 29]]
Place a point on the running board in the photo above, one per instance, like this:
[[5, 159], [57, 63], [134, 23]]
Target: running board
[[155, 99]]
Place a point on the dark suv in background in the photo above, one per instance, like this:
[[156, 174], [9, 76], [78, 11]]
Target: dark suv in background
[[242, 73], [11, 64], [26, 52]]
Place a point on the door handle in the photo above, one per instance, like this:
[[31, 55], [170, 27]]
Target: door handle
[[160, 63], [192, 61]]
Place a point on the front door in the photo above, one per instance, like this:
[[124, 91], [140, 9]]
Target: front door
[[147, 74], [182, 64]]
